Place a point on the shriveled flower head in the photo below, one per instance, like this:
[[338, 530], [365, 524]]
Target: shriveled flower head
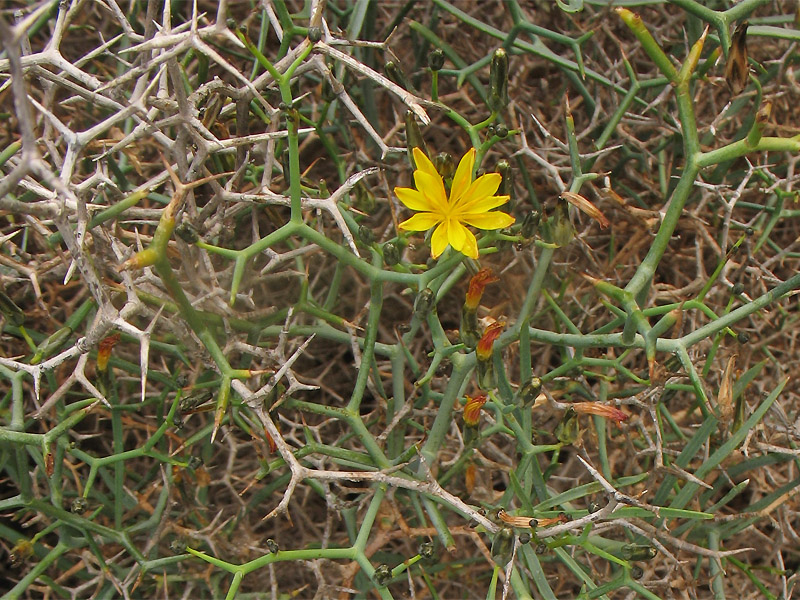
[[602, 410], [104, 350], [476, 285], [472, 409], [470, 202], [490, 334]]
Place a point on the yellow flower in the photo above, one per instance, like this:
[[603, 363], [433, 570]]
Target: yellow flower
[[470, 202]]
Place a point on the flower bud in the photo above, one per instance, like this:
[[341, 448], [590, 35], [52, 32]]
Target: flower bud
[[178, 546], [79, 505], [391, 254], [427, 551], [366, 235], [445, 164], [503, 546], [530, 224], [498, 81], [382, 574], [414, 138], [365, 199], [637, 552], [272, 546], [396, 74], [567, 429], [502, 131], [507, 184], [530, 390], [737, 69], [436, 60], [21, 552], [187, 232], [563, 231], [314, 34], [424, 303]]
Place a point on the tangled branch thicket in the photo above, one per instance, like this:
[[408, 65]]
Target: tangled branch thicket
[[227, 369]]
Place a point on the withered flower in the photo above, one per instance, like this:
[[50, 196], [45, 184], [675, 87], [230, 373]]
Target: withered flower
[[472, 410], [601, 410]]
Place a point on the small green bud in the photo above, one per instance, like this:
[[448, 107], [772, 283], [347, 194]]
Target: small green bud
[[507, 184], [530, 224], [530, 390], [414, 138], [314, 34], [563, 231], [436, 60], [638, 552], [502, 546], [187, 232], [502, 131], [195, 399], [524, 537], [382, 574], [79, 505], [487, 379], [391, 254], [365, 199], [366, 234], [427, 551], [567, 429], [498, 81], [177, 546], [396, 74], [445, 164], [425, 301]]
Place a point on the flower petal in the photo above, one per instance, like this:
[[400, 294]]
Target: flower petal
[[412, 199], [462, 239], [420, 222], [439, 240], [456, 234], [490, 220], [432, 188], [424, 164], [481, 205], [463, 177], [470, 245], [484, 186]]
